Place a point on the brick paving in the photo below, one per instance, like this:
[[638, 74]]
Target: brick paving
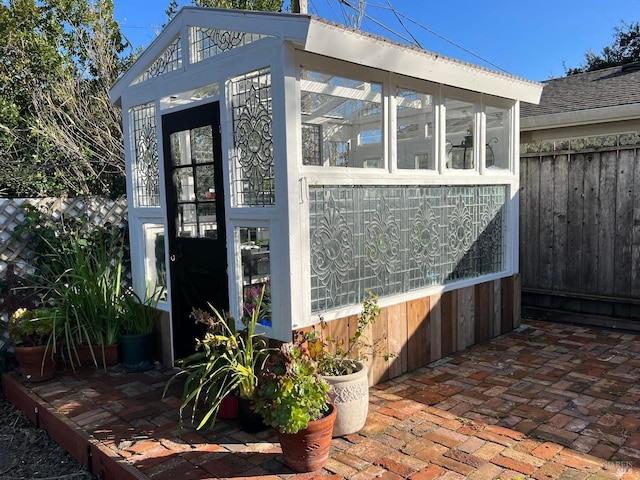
[[548, 401]]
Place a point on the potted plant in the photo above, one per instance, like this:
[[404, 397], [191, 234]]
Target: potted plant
[[228, 362], [342, 365], [138, 321], [33, 334], [294, 399], [87, 290]]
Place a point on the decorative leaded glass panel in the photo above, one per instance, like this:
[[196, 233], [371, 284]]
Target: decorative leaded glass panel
[[208, 42], [394, 239], [253, 165], [170, 60], [144, 165]]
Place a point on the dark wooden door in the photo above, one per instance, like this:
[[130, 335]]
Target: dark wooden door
[[195, 212]]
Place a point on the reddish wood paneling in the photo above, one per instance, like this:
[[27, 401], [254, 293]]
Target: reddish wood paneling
[[426, 329], [418, 351]]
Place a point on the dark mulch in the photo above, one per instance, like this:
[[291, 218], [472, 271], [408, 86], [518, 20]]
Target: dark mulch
[[26, 452]]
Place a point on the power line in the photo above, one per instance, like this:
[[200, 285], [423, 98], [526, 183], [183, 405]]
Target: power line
[[377, 22]]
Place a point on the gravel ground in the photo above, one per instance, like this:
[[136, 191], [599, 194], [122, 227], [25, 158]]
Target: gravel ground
[[26, 452]]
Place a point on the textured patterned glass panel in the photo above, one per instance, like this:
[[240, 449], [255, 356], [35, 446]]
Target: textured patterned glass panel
[[208, 42], [144, 143], [253, 167], [397, 239], [170, 60]]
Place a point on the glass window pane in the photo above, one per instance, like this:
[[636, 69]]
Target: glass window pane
[[459, 133], [415, 120], [498, 134], [201, 144], [342, 121], [154, 258], [183, 181], [256, 271], [144, 156]]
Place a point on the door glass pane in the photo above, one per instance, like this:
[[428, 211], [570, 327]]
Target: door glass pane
[[207, 220], [201, 144], [205, 189], [154, 258], [183, 181], [186, 225], [180, 149], [256, 270]]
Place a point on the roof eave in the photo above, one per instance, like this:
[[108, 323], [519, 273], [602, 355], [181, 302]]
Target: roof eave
[[355, 47], [580, 117]]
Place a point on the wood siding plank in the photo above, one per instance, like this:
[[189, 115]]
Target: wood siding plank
[[397, 338], [466, 318], [635, 234], [449, 314], [379, 338], [435, 323], [483, 299], [507, 305], [497, 307], [418, 333]]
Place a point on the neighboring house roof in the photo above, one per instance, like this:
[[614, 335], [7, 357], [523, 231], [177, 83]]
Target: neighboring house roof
[[603, 95]]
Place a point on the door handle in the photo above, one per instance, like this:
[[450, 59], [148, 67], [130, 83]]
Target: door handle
[[176, 254]]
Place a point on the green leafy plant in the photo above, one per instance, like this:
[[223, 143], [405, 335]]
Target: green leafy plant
[[139, 316], [292, 393], [337, 357], [228, 361], [32, 328]]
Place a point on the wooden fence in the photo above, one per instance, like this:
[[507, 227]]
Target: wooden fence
[[580, 234]]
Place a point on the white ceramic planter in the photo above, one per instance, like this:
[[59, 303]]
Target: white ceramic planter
[[350, 394]]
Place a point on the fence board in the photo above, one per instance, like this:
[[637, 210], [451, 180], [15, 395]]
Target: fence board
[[532, 223], [560, 199], [635, 233], [574, 224], [624, 224], [522, 224], [606, 232], [545, 244], [590, 223]]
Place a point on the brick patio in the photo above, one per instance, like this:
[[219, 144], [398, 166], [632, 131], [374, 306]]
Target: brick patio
[[548, 401]]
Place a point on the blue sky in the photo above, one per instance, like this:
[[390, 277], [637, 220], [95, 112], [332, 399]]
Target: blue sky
[[533, 40]]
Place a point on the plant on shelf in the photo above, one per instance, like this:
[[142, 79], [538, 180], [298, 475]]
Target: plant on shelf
[[342, 364], [228, 362], [294, 399], [34, 336]]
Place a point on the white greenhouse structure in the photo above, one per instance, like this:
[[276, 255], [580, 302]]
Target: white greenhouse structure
[[287, 152]]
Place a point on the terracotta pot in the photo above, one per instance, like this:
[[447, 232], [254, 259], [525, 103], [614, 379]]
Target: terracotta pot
[[350, 394], [110, 355], [308, 450], [30, 360], [228, 408]]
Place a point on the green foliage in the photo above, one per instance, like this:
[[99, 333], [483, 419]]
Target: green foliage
[[58, 131], [32, 328], [334, 356], [625, 48], [292, 393], [264, 5], [227, 362], [139, 316]]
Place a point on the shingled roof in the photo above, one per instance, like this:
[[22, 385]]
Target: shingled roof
[[609, 87]]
